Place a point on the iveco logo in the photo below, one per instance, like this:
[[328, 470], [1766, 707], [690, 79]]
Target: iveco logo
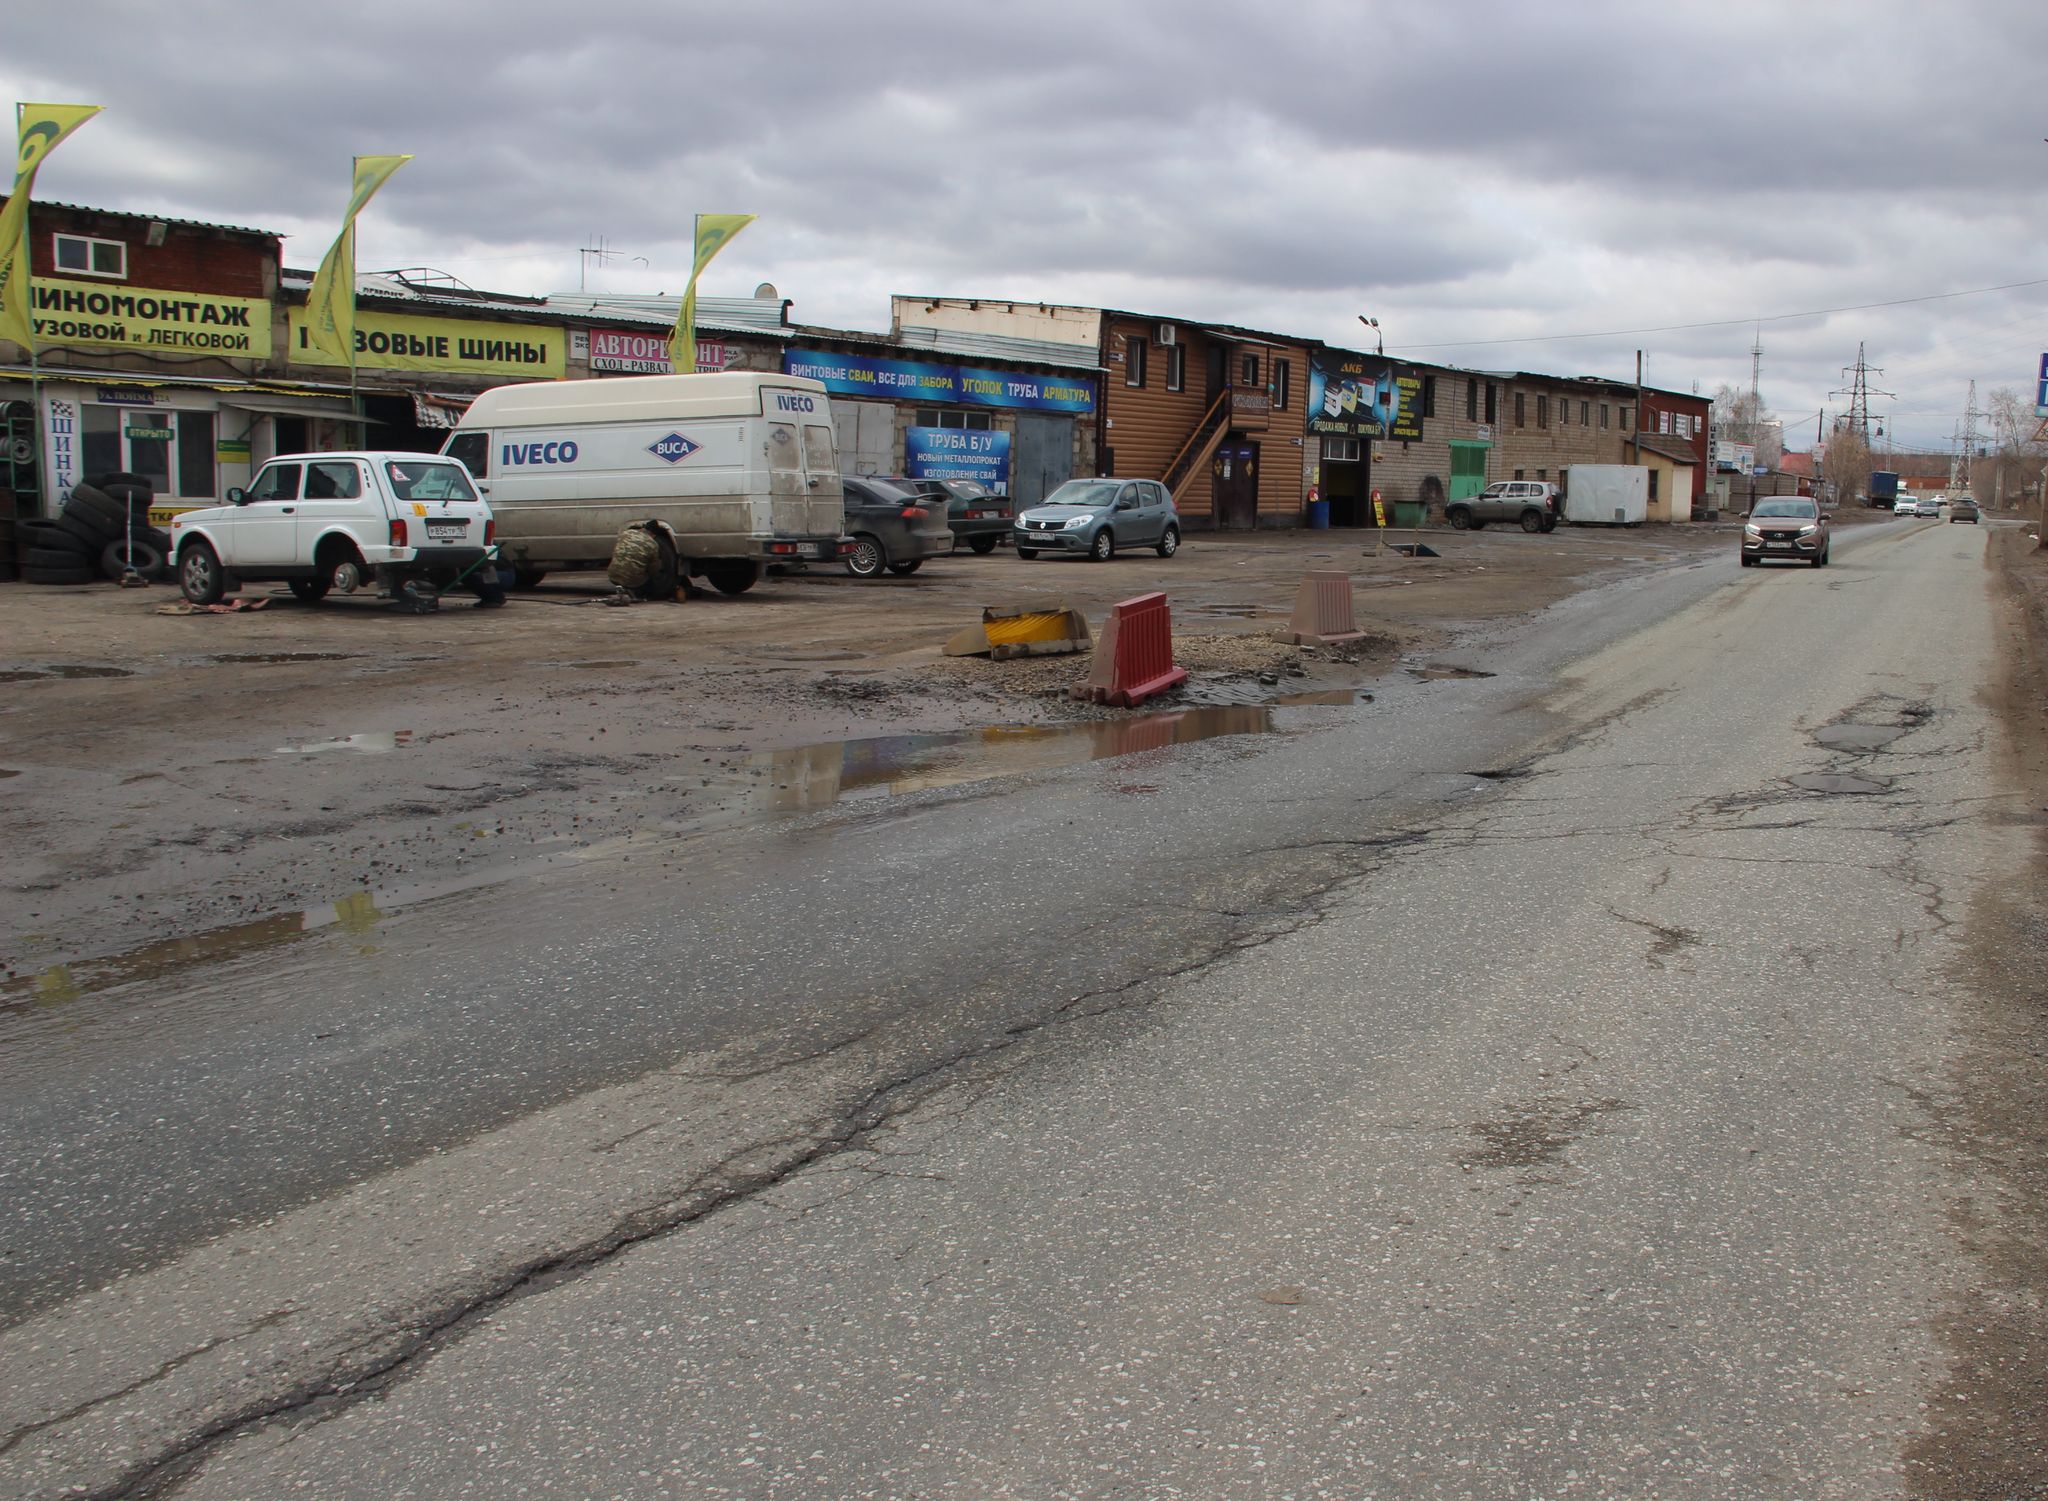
[[674, 448]]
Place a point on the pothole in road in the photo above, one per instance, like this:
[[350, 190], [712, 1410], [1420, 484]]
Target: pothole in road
[[1857, 737], [274, 658], [1840, 781], [1437, 672], [1535, 1134], [65, 671], [370, 741]]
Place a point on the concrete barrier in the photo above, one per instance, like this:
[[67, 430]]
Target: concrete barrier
[[1322, 610], [1134, 659]]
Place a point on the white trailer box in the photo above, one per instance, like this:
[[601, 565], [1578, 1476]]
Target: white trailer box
[[741, 469], [1606, 494]]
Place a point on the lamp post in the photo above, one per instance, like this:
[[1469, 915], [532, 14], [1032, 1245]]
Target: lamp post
[[1380, 344]]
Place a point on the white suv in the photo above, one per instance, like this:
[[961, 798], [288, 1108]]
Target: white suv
[[322, 521]]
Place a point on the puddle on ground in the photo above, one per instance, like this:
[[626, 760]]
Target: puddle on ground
[[269, 658], [63, 670], [370, 741], [1321, 696], [596, 666], [1857, 737], [1437, 672], [1839, 781], [801, 654], [8, 772]]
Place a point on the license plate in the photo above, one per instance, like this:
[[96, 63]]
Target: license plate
[[1781, 546], [447, 531]]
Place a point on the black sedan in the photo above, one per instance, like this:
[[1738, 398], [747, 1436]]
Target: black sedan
[[979, 518], [891, 528]]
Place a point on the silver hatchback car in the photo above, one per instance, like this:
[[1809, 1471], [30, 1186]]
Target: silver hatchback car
[[1096, 517]]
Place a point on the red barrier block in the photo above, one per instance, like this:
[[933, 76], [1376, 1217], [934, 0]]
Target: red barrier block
[[1322, 610], [1134, 659]]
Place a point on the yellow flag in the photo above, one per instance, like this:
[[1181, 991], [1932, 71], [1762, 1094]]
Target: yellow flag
[[42, 126], [331, 305], [714, 232]]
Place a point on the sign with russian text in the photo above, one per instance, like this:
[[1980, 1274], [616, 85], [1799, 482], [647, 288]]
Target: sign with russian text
[[624, 351], [958, 453], [83, 312], [444, 346], [1360, 396], [912, 380]]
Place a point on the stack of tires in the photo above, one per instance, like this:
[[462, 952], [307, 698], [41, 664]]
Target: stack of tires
[[102, 532]]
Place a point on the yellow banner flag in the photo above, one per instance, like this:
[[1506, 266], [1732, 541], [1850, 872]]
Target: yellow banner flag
[[714, 232], [331, 305], [41, 126]]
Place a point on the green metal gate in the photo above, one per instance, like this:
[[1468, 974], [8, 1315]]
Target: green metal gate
[[1468, 469]]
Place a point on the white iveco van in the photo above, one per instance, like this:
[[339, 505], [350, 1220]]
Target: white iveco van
[[739, 468]]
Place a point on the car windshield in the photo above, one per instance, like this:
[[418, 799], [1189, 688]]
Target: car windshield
[[889, 492], [427, 480], [1084, 492], [1800, 508]]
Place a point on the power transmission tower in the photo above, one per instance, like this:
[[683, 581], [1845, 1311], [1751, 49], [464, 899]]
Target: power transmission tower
[[1859, 393], [1966, 447], [1756, 369]]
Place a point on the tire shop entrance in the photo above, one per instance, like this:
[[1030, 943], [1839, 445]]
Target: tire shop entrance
[[1347, 481]]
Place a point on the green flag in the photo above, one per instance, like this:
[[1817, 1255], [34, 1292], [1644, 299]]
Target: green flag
[[714, 231], [331, 305], [41, 127]]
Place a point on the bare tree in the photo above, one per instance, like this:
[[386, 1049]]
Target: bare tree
[[1845, 463], [2012, 471], [1742, 417]]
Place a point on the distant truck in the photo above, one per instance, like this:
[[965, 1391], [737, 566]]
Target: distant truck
[[732, 471], [1884, 488], [1606, 494]]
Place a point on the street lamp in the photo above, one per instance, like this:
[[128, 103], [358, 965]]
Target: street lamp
[[1374, 325]]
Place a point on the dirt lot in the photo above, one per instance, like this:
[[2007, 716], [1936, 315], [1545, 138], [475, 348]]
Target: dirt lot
[[175, 784]]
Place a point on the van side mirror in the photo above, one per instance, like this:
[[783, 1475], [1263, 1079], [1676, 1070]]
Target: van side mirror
[[237, 496]]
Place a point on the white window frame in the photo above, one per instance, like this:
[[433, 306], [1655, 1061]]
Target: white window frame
[[58, 240]]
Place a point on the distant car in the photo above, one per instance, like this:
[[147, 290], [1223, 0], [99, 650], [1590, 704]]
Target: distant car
[[1902, 505], [1788, 528], [891, 528], [1534, 504], [1963, 510], [1098, 516], [978, 516], [1928, 507]]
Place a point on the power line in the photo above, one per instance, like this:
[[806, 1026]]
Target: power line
[[1666, 328]]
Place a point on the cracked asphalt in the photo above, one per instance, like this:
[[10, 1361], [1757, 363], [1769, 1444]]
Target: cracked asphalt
[[1532, 1085]]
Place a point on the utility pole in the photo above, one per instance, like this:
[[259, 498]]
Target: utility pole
[[1959, 478], [1859, 393]]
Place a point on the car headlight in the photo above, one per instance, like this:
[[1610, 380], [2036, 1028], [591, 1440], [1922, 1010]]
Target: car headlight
[[1080, 521], [1752, 531], [1808, 530]]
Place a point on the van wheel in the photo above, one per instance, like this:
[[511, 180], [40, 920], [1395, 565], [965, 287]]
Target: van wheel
[[732, 575], [310, 591], [904, 570], [1103, 547], [1532, 522], [662, 578], [868, 557], [527, 578], [1459, 518], [200, 574]]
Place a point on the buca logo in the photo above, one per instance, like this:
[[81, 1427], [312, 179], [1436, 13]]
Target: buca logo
[[538, 453], [674, 448]]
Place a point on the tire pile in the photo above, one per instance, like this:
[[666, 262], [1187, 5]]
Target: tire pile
[[103, 530]]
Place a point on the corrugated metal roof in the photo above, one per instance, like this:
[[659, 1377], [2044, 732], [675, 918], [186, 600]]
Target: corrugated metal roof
[[122, 213], [738, 315], [998, 347]]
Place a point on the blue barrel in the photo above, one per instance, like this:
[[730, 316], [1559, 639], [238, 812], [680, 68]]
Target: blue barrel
[[1319, 514]]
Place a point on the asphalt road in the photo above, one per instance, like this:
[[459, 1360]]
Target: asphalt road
[[1508, 1087]]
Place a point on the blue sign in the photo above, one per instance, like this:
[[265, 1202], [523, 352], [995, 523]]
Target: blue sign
[[858, 375], [958, 453], [2041, 395], [675, 448]]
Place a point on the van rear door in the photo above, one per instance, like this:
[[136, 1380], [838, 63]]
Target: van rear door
[[803, 465]]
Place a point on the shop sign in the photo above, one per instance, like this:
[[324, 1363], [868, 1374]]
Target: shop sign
[[150, 432], [626, 351], [78, 312], [123, 396], [231, 450], [443, 346], [1360, 396], [60, 448], [911, 380], [958, 453]]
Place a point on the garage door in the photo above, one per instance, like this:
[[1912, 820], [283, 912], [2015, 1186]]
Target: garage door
[[866, 437]]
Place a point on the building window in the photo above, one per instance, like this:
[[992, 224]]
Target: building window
[[1492, 403], [1176, 367], [1248, 372], [1471, 398], [1135, 351], [954, 417], [1283, 377], [1603, 414], [1664, 423], [1518, 474], [1543, 474], [76, 255], [1626, 414], [1585, 413], [1429, 395], [1521, 414], [1542, 410], [1340, 450], [1653, 487]]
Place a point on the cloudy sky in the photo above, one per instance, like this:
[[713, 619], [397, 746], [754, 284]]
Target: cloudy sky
[[1502, 183]]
